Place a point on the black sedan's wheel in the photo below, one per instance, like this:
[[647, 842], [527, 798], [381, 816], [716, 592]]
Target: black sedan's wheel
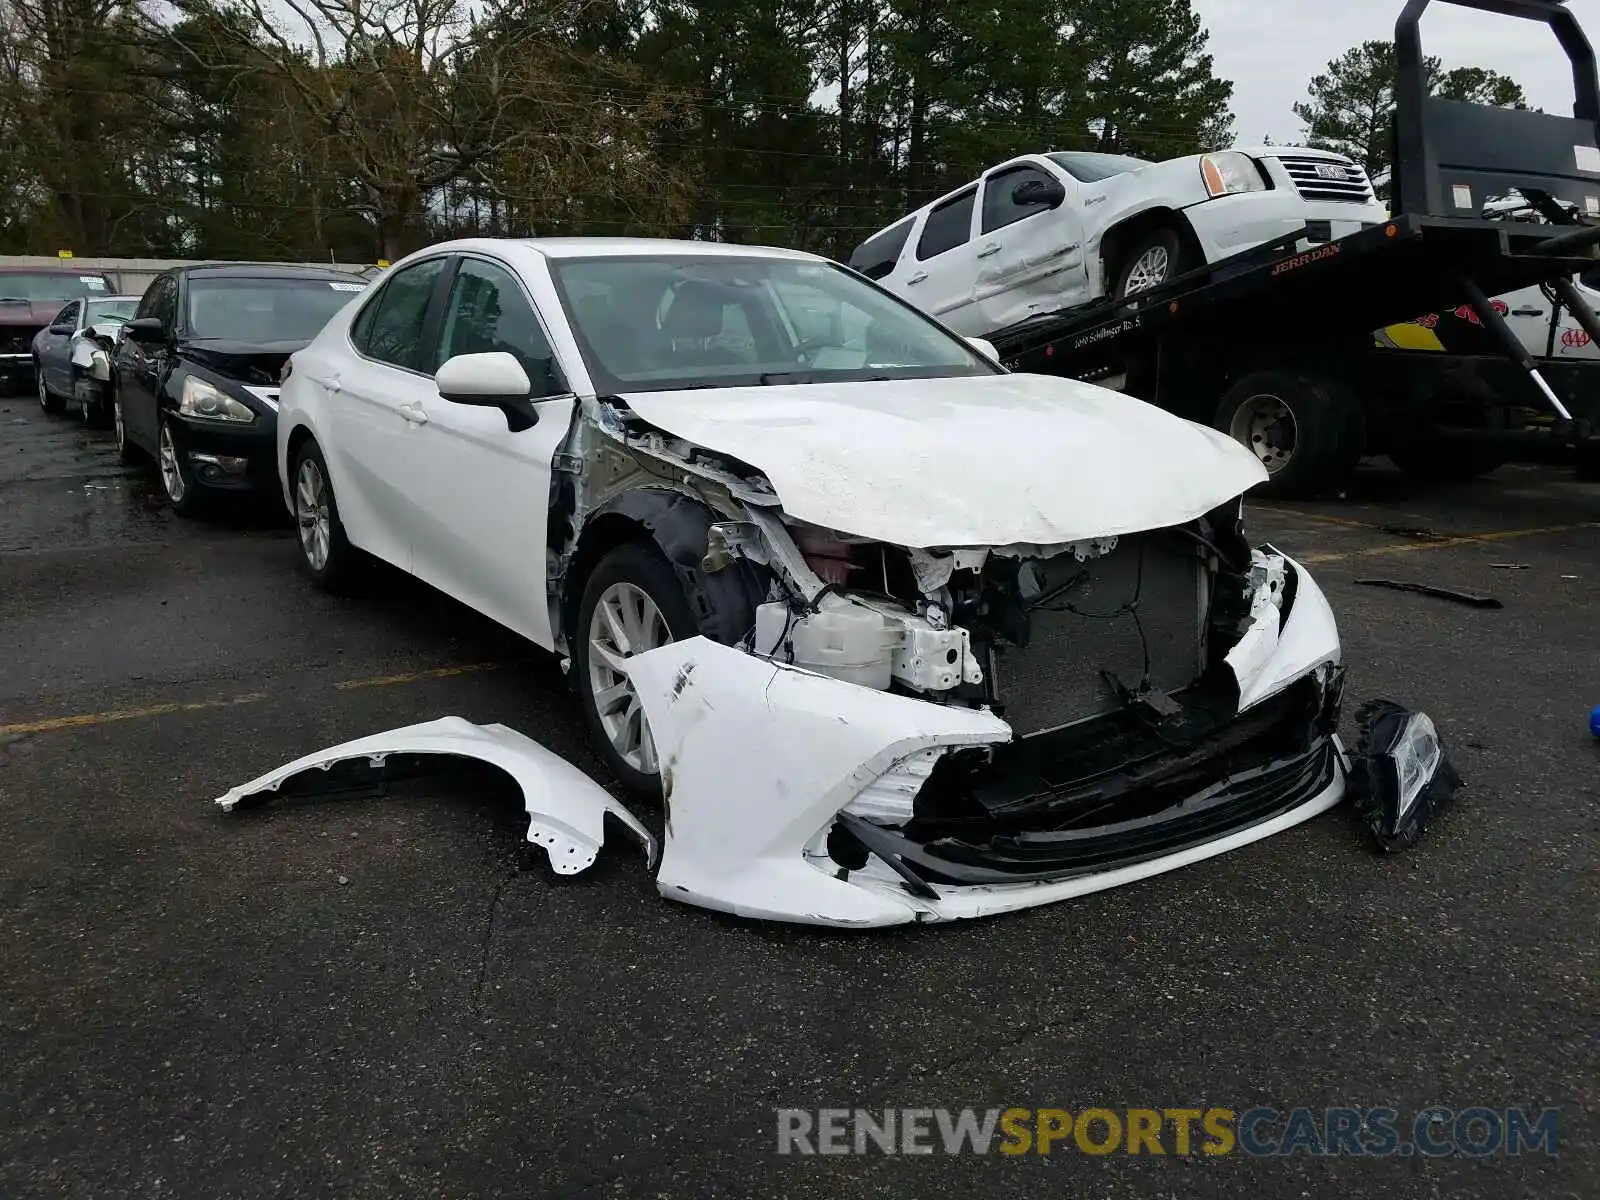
[[632, 603], [182, 492], [48, 400], [325, 552]]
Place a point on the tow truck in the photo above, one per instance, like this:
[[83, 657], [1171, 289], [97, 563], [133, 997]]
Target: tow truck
[[1315, 352]]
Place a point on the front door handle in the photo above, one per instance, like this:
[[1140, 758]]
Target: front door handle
[[988, 250], [917, 278], [1527, 312]]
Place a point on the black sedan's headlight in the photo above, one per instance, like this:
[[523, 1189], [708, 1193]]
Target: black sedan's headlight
[[211, 403]]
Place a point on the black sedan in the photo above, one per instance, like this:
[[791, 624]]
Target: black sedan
[[195, 384]]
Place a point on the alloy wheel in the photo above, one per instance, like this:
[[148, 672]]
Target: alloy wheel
[[44, 392], [312, 514], [626, 622], [1266, 426], [1150, 270], [171, 469]]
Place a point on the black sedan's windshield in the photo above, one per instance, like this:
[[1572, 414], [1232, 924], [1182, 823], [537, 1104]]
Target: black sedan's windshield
[[50, 285], [659, 322], [265, 310]]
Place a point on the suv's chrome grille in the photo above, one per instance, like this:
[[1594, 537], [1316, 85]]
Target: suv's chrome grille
[[1326, 179]]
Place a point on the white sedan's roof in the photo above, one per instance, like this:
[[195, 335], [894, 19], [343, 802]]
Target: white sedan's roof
[[596, 247]]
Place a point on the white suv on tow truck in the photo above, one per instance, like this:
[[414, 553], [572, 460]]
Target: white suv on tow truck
[[1045, 232]]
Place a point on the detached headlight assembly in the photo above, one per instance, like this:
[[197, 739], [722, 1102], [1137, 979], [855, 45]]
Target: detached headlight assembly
[[201, 399], [1231, 173], [1401, 775]]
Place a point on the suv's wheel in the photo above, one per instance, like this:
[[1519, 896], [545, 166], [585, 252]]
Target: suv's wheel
[[176, 480], [325, 552], [48, 400], [1308, 432], [632, 602], [1151, 261]]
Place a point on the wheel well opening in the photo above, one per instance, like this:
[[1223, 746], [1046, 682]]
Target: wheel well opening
[[299, 437], [1120, 239], [597, 539]]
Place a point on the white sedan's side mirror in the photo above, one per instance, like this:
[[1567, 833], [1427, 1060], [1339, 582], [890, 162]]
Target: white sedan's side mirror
[[984, 347], [493, 380]]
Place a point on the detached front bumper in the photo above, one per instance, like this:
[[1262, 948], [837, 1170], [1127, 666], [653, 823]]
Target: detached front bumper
[[781, 785]]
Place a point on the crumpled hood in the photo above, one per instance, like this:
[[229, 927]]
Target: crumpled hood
[[983, 461]]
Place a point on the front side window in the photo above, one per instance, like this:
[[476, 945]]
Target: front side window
[[163, 300], [658, 323], [389, 328], [949, 225], [488, 311], [1000, 206], [150, 304], [265, 310]]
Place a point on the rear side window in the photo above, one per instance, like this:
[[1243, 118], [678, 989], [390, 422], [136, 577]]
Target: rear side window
[[877, 256], [949, 225], [1000, 208], [389, 329]]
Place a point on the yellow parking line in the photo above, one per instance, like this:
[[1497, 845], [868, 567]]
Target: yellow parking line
[[126, 714], [415, 676], [1466, 539], [1314, 516]]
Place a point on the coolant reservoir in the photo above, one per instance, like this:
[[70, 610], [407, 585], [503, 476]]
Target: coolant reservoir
[[847, 642]]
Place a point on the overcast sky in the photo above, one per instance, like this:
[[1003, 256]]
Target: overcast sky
[[1272, 48]]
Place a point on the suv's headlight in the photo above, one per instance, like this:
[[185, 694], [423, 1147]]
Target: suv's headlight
[[1231, 173], [201, 399]]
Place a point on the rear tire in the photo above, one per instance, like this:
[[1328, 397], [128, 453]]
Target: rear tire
[[1155, 259], [48, 400], [127, 452], [325, 552], [1308, 432], [630, 573]]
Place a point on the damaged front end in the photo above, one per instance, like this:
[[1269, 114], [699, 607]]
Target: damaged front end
[[929, 733]]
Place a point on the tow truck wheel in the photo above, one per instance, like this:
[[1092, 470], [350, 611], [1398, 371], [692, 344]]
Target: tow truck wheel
[[1306, 431]]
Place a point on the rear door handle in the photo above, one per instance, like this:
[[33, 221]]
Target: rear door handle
[[988, 250], [414, 413], [1527, 312], [331, 383], [917, 278]]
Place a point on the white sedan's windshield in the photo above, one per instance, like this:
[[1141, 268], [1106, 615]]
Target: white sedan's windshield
[[661, 322]]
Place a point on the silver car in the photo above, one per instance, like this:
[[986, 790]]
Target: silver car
[[72, 355]]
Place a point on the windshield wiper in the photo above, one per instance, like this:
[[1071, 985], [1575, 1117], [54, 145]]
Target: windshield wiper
[[781, 377]]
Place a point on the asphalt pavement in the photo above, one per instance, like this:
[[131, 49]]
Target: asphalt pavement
[[382, 995]]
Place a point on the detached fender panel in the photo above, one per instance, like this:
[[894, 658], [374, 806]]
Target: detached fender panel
[[566, 809]]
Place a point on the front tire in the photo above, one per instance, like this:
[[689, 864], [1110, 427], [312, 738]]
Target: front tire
[[48, 400], [632, 603], [1308, 432], [325, 552], [1155, 259], [182, 492]]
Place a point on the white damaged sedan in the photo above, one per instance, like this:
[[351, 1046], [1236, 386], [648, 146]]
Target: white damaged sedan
[[896, 634]]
